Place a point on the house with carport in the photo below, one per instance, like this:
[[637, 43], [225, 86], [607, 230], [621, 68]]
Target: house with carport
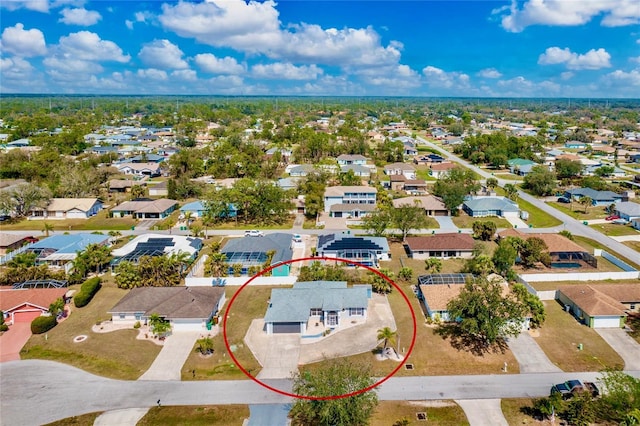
[[314, 307]]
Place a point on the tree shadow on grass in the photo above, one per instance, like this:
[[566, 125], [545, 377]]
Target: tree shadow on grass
[[465, 342]]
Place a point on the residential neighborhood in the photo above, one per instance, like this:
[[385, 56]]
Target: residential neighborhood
[[252, 248]]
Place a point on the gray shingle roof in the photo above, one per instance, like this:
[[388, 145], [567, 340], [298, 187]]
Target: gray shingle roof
[[491, 203], [171, 302], [279, 241], [593, 194]]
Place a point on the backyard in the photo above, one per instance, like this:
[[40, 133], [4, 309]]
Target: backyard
[[118, 355], [560, 336], [537, 218], [96, 223]]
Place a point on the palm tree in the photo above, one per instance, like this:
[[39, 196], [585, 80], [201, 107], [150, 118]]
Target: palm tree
[[388, 335], [46, 228], [137, 191], [511, 191], [586, 201], [158, 325], [114, 236], [433, 265], [216, 265]]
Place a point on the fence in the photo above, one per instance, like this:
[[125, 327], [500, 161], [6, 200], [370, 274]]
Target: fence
[[619, 263], [581, 276], [542, 295], [195, 268], [238, 281], [7, 257]]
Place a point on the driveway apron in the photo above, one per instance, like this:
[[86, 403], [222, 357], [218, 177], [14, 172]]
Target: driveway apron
[[125, 417], [621, 342], [446, 223], [280, 359], [530, 357], [12, 341], [483, 412], [269, 415], [174, 353]]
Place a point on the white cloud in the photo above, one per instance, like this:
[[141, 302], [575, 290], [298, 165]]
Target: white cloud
[[568, 13], [79, 16], [152, 74], [129, 24], [436, 77], [592, 60], [214, 65], [89, 46], [15, 67], [635, 59], [162, 54], [23, 42], [188, 75], [286, 71], [393, 78], [567, 75], [72, 66], [35, 5], [624, 80], [520, 86], [489, 73], [254, 27]]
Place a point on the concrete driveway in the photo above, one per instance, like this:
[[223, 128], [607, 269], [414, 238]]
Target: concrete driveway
[[125, 417], [168, 364], [446, 223], [277, 353], [625, 345], [483, 412], [12, 341], [529, 355], [269, 415]]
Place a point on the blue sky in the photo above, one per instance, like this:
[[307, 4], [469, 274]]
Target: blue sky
[[531, 48]]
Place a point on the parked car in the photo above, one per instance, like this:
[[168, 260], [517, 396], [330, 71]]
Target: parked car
[[620, 221], [612, 217], [253, 233], [297, 238], [5, 217], [564, 200], [572, 387]]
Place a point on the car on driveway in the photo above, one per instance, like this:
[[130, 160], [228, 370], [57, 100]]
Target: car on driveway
[[573, 387], [564, 200], [253, 233], [612, 217], [620, 221]]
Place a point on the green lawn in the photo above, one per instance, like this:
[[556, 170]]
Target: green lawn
[[463, 220], [633, 244], [514, 410], [634, 323], [614, 229], [251, 303], [118, 355], [210, 415], [577, 212], [81, 420], [591, 244], [559, 338], [95, 223], [438, 413], [537, 217]]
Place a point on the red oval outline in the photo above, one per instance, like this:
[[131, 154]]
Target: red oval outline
[[320, 398]]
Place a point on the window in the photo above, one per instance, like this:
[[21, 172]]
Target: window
[[122, 316], [315, 312], [138, 316], [356, 311], [632, 307]]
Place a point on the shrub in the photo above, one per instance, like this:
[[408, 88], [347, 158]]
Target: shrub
[[136, 325], [88, 289], [43, 324]]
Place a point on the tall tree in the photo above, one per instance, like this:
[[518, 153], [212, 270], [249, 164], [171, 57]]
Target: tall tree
[[408, 217], [338, 378], [540, 181], [22, 198], [454, 186], [377, 222]]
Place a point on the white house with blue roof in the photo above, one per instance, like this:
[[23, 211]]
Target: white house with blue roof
[[316, 306], [490, 206], [60, 250]]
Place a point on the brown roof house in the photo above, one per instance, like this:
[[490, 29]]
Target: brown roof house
[[441, 246], [186, 308], [67, 208], [600, 306], [432, 205], [11, 242], [23, 305], [144, 208]]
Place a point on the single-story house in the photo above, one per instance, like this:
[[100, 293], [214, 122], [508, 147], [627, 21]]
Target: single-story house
[[147, 158], [301, 170], [24, 305], [428, 159], [627, 210], [123, 185], [58, 250], [432, 205], [11, 242], [365, 250], [490, 206], [348, 159], [405, 169], [575, 145], [316, 306], [186, 308], [67, 208], [564, 252], [140, 169], [144, 208], [520, 166], [357, 169], [156, 245], [412, 186], [288, 183], [601, 306], [254, 252], [441, 246], [159, 189], [438, 170], [598, 198], [195, 208]]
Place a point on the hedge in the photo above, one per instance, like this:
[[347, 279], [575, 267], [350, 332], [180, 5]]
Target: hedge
[[88, 289], [43, 324]]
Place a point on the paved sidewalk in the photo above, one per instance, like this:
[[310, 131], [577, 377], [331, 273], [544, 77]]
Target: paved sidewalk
[[174, 353], [623, 344], [125, 417], [483, 412], [529, 355], [627, 238]]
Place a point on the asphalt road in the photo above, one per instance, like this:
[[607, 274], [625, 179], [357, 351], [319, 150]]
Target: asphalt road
[[35, 392], [572, 225]]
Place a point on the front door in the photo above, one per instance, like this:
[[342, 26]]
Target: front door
[[332, 319]]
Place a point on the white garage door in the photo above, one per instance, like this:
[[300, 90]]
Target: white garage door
[[187, 325], [606, 322]]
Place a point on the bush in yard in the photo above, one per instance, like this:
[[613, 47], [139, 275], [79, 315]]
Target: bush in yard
[[88, 289], [3, 326], [43, 324]]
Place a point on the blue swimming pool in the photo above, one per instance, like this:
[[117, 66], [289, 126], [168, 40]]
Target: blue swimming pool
[[565, 265]]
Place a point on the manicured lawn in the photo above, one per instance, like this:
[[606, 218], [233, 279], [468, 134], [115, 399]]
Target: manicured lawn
[[210, 415], [84, 419], [422, 172], [614, 229], [553, 285], [634, 323], [117, 355], [633, 244], [463, 220], [578, 211], [514, 411], [507, 176], [438, 413], [559, 338], [591, 244], [400, 259], [250, 304], [537, 217], [95, 223]]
